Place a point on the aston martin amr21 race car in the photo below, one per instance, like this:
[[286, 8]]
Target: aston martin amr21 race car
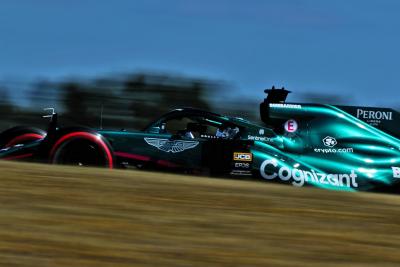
[[334, 147]]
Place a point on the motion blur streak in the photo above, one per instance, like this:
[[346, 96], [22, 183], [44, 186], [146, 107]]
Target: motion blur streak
[[64, 216], [125, 101]]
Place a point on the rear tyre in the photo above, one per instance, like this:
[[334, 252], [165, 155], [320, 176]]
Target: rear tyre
[[20, 135], [82, 149]]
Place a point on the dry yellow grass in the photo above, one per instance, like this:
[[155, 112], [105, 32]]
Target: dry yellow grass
[[61, 216]]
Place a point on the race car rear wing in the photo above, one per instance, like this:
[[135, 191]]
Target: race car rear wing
[[385, 119]]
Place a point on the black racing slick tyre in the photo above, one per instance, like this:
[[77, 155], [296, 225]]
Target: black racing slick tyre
[[20, 135], [82, 148]]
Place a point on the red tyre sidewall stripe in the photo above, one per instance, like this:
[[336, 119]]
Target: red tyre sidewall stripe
[[23, 156], [24, 137], [132, 156], [168, 164], [89, 136]]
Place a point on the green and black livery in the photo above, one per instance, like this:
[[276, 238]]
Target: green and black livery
[[334, 147]]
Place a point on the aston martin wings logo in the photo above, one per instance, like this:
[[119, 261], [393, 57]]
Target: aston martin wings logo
[[174, 146]]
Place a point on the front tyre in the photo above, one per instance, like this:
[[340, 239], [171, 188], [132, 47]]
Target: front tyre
[[20, 135], [82, 149]]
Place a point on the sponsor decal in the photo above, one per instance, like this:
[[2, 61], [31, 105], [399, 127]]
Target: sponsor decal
[[241, 172], [209, 136], [331, 142], [277, 105], [173, 146], [241, 156], [242, 165], [291, 126], [261, 132], [374, 117], [257, 138], [396, 172], [299, 177], [333, 150]]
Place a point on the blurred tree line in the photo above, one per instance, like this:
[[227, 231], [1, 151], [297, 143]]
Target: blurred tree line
[[131, 101], [124, 102]]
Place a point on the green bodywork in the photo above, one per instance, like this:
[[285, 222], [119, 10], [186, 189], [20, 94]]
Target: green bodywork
[[330, 148], [362, 157]]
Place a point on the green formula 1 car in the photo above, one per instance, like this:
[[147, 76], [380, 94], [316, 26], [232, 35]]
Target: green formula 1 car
[[334, 147]]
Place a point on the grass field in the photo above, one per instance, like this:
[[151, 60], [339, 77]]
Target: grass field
[[62, 216]]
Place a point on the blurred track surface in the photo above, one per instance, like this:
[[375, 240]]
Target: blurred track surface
[[63, 216]]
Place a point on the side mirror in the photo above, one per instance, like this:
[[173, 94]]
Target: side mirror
[[53, 120]]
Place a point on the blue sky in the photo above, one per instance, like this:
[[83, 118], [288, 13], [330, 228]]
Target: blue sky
[[335, 47]]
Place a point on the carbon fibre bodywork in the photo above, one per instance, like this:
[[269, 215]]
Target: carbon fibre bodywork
[[325, 146]]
